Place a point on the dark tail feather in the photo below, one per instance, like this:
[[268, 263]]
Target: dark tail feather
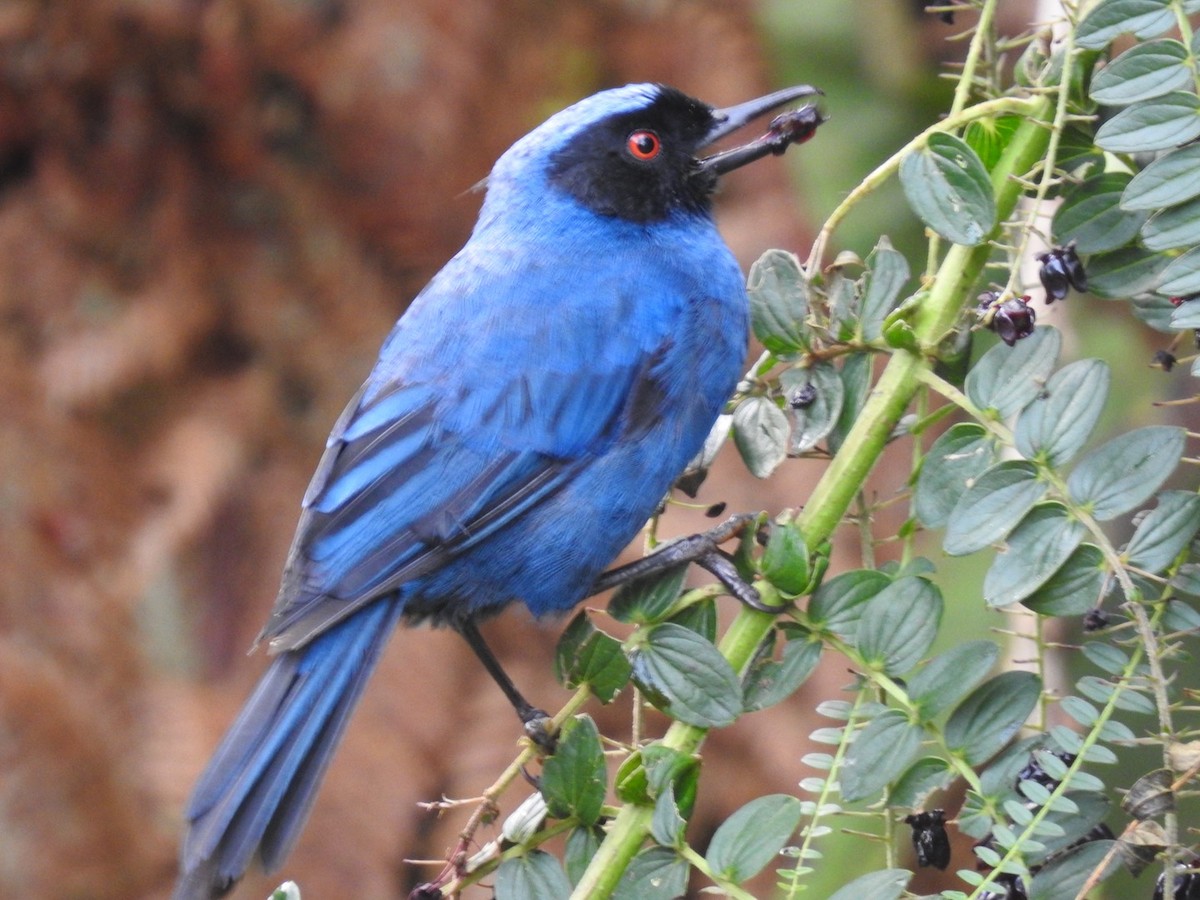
[[257, 791]]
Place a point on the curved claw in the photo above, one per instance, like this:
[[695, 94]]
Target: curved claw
[[726, 572]]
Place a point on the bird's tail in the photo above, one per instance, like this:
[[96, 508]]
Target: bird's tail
[[257, 791]]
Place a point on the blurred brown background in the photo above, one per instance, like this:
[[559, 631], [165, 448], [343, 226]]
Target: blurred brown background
[[211, 212]]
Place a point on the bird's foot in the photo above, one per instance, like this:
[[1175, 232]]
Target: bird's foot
[[540, 729]]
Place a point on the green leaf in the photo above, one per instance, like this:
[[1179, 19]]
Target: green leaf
[[779, 302], [574, 779], [1092, 217], [1172, 178], [1164, 531], [1159, 124], [1062, 417], [948, 187], [667, 825], [1172, 228], [811, 422], [887, 273], [1105, 656], [699, 617], [1074, 588], [926, 775], [1066, 874], [993, 713], [785, 561], [949, 676], [769, 681], [535, 875], [957, 457], [989, 137], [1182, 277], [752, 836], [1077, 814], [591, 657], [837, 605], [992, 506], [657, 873], [686, 676], [880, 752], [1125, 273], [760, 431], [856, 383], [647, 772], [1143, 72], [646, 600], [1007, 379], [1117, 476], [1111, 18], [1154, 310], [886, 884], [581, 847], [1034, 551], [899, 624]]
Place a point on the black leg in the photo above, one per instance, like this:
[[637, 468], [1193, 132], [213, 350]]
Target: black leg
[[538, 725], [700, 549]]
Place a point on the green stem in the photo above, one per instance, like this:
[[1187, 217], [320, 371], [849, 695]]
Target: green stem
[[841, 482]]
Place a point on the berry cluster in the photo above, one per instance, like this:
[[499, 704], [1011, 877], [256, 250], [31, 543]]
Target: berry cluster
[[1012, 318]]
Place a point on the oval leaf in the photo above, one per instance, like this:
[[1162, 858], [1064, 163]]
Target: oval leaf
[[886, 884], [1034, 551], [1142, 72], [1159, 124], [769, 681], [992, 506], [1125, 273], [1091, 215], [1065, 875], [946, 678], [760, 431], [657, 873], [838, 604], [648, 599], [535, 875], [962, 453], [574, 779], [1117, 476], [778, 302], [899, 624], [989, 718], [686, 676], [1111, 18], [1172, 228], [948, 187], [1164, 531], [1170, 179], [814, 396], [1074, 588], [1060, 420], [1182, 276], [1007, 379], [880, 753], [752, 836], [887, 272]]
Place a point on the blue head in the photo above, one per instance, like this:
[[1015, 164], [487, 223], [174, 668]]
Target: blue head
[[631, 153]]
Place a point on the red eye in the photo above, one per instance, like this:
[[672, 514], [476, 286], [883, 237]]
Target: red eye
[[644, 145]]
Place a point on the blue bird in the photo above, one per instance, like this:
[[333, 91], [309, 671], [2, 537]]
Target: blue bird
[[524, 418]]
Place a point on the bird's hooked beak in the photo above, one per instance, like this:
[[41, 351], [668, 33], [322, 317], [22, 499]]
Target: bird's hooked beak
[[792, 127]]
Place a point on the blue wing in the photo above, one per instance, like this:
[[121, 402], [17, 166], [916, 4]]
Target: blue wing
[[414, 475]]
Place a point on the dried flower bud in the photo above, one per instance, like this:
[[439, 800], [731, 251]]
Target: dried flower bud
[[930, 841]]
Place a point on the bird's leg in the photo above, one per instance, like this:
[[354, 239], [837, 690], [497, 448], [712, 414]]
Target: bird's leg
[[701, 549], [537, 723]]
